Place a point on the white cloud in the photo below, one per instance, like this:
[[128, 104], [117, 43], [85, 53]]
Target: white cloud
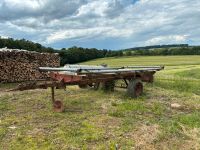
[[134, 23], [171, 39], [101, 32], [4, 37], [97, 8], [23, 4]]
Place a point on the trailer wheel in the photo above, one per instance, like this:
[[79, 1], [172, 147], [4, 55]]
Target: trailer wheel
[[108, 86], [96, 86], [135, 88], [83, 86]]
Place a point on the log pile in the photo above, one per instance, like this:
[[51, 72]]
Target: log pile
[[21, 65]]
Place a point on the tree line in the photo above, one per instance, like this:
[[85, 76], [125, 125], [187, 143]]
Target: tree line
[[24, 44], [79, 54], [68, 56], [157, 46], [193, 50]]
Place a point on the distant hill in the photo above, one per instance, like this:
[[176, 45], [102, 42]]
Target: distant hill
[[157, 46]]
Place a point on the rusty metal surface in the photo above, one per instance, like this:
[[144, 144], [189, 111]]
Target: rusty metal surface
[[58, 106], [86, 76], [37, 85], [138, 89], [93, 78], [60, 80]]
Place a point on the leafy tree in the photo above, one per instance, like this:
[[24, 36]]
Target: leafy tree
[[128, 53]]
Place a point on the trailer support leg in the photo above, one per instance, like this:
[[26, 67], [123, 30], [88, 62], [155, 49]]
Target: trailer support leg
[[57, 105], [52, 94], [126, 82]]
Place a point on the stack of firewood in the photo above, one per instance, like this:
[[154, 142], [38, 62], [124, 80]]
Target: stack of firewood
[[20, 65]]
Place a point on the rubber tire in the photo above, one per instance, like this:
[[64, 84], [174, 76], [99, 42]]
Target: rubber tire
[[135, 88], [108, 86]]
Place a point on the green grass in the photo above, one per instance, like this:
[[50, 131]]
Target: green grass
[[148, 60], [192, 73], [7, 86], [99, 120]]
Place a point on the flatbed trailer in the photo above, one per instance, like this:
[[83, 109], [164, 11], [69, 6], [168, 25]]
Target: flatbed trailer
[[95, 77]]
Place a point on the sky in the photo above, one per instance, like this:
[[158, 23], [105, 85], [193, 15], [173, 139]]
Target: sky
[[102, 24]]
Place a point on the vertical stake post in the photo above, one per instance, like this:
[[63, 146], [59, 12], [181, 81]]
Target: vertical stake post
[[52, 94]]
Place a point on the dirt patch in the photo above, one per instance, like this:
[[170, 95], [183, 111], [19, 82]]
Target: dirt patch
[[105, 108], [109, 124], [194, 138], [105, 121], [190, 140], [145, 137], [4, 92]]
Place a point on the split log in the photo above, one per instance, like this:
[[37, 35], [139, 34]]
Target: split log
[[21, 65]]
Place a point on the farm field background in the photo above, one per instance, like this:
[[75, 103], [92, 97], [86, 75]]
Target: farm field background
[[98, 120]]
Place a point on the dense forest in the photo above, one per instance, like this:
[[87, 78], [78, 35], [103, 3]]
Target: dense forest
[[68, 56], [79, 54]]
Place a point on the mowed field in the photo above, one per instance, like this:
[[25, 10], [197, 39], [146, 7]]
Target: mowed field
[[109, 121]]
